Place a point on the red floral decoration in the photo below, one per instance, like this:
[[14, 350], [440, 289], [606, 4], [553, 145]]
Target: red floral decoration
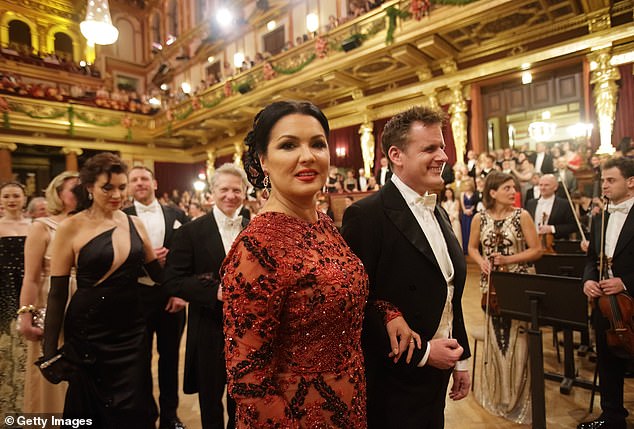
[[126, 121], [4, 106], [419, 8], [196, 103], [228, 89], [321, 47]]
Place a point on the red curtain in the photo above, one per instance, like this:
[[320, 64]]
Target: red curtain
[[223, 160], [345, 148], [173, 175], [624, 121], [378, 135]]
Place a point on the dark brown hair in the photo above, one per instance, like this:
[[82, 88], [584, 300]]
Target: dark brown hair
[[493, 181], [102, 163], [396, 130]]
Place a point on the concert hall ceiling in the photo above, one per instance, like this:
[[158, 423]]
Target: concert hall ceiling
[[365, 69]]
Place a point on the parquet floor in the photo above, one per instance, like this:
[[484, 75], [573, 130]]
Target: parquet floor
[[562, 411]]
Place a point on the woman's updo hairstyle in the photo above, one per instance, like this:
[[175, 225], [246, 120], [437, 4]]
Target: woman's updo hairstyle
[[102, 163], [257, 140]]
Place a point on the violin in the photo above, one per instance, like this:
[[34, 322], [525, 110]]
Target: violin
[[547, 239], [617, 308], [489, 301]]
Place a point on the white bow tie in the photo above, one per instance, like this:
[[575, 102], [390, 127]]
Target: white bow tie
[[232, 223], [148, 209], [427, 201], [619, 208]]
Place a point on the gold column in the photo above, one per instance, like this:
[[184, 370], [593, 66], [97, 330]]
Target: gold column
[[6, 165], [71, 157], [458, 112], [238, 149], [432, 101], [604, 77], [367, 146], [210, 164]]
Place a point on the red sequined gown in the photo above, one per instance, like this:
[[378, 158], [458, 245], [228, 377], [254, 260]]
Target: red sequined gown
[[294, 298]]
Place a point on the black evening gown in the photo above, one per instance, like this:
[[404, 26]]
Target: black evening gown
[[104, 330]]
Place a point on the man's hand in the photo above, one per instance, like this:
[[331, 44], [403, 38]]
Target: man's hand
[[175, 304], [545, 229], [161, 255], [461, 385], [402, 338], [444, 353], [612, 286], [592, 289]]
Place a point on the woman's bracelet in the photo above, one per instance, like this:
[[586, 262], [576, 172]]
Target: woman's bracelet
[[51, 361], [26, 309]]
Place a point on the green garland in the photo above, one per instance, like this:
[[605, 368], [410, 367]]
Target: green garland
[[58, 114], [453, 2], [297, 68], [185, 114], [86, 119], [5, 120], [393, 13], [213, 103], [71, 121]]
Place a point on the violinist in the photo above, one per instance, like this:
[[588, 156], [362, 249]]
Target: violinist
[[509, 242], [617, 184], [552, 214]]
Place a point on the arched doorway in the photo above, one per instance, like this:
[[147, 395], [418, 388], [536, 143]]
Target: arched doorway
[[64, 46], [20, 35]]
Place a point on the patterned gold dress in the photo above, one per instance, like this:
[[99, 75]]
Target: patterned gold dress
[[294, 298], [12, 346], [503, 387]]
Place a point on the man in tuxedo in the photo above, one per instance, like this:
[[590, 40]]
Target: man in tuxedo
[[552, 214], [565, 177], [618, 186], [165, 314], [417, 273], [192, 273], [542, 161], [533, 191], [472, 162], [384, 174]]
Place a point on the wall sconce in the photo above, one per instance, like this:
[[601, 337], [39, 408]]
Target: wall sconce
[[271, 25], [527, 77], [340, 152], [186, 87]]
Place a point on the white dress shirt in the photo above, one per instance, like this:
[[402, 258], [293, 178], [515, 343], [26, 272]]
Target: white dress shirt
[[229, 227], [544, 207], [431, 228], [539, 160], [154, 222], [383, 176], [615, 225]]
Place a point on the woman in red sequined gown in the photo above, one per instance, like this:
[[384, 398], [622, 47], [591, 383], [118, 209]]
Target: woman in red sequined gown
[[294, 292]]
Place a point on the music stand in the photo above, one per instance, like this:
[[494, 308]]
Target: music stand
[[567, 265], [561, 264], [541, 300], [567, 246]]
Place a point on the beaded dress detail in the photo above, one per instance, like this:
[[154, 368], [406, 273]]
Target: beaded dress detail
[[12, 346], [294, 299], [504, 387]]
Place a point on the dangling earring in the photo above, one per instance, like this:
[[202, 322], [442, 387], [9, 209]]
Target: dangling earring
[[90, 196], [267, 186]]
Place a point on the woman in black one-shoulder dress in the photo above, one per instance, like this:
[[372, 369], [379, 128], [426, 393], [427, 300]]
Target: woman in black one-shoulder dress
[[104, 354]]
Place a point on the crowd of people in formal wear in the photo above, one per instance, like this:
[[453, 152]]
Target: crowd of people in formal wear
[[304, 324]]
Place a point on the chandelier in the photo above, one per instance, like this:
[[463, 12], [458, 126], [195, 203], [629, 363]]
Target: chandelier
[[97, 28]]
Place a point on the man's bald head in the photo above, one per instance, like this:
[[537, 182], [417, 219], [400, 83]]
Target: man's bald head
[[547, 185]]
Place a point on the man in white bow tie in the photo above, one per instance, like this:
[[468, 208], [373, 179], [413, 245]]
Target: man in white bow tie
[[617, 183], [414, 338], [165, 315], [192, 272]]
